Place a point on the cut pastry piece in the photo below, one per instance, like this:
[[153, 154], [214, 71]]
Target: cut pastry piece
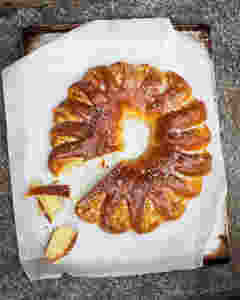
[[49, 198], [50, 206], [60, 243], [61, 190]]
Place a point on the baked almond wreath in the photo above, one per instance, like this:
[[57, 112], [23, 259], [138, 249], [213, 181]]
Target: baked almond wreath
[[141, 193]]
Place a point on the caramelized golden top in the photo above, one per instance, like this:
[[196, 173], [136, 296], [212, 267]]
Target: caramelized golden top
[[141, 193]]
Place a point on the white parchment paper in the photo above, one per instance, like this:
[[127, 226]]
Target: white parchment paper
[[36, 83]]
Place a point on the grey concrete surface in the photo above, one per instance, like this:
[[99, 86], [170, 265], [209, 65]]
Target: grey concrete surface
[[224, 18]]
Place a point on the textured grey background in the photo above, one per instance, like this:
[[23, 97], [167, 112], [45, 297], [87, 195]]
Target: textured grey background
[[223, 16]]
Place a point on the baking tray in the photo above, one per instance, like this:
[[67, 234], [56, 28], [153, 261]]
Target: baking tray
[[36, 36], [27, 3]]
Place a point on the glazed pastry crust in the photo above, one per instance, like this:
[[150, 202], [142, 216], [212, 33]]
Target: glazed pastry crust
[[137, 194]]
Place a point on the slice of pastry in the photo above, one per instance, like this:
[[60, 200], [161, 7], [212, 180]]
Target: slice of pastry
[[49, 198], [60, 243]]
